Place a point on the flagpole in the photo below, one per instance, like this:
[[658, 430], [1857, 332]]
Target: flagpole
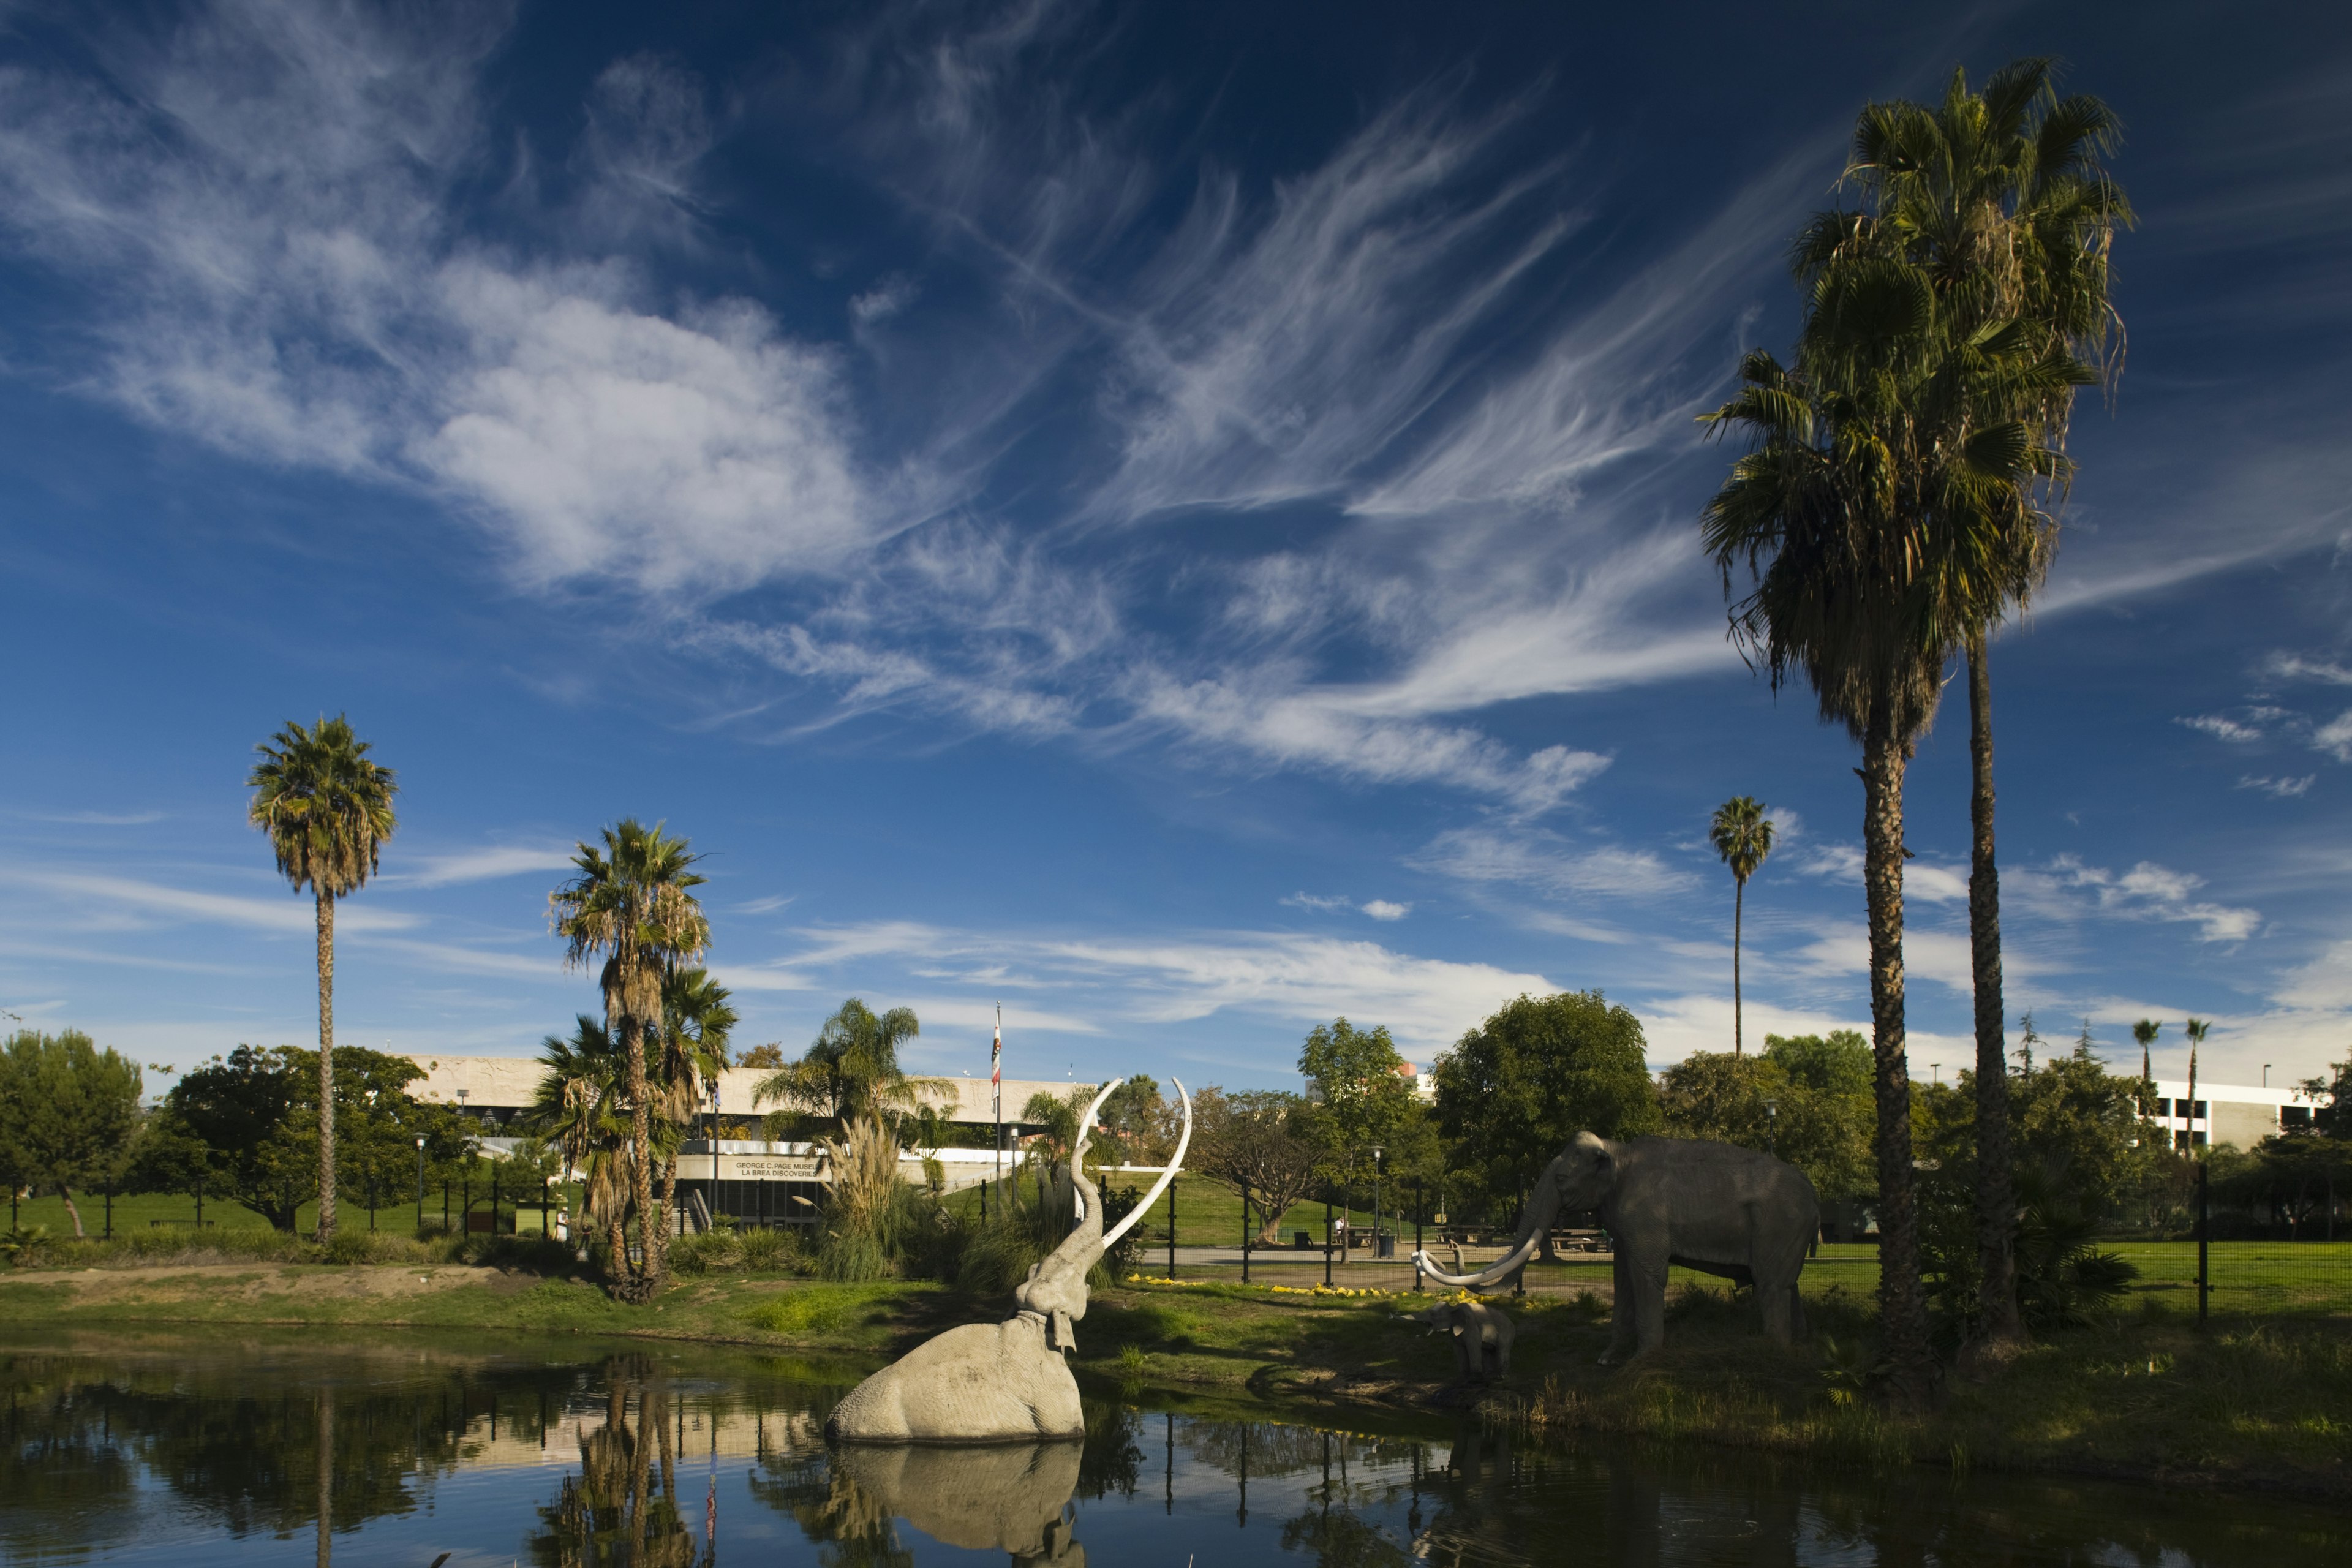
[[996, 1090]]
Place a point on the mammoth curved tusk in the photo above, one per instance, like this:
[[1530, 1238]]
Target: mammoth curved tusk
[[1489, 1275], [1079, 1186], [1174, 1164]]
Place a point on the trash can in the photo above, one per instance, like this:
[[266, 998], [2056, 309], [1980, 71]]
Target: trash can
[[1302, 1241], [1385, 1245]]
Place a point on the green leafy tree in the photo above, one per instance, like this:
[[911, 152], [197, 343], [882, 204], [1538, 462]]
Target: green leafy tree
[[68, 1111], [1361, 1101], [1514, 1089], [697, 1020], [1834, 1063], [327, 810], [2332, 1101], [631, 903], [238, 1110], [1742, 835], [1255, 1141], [1758, 1102]]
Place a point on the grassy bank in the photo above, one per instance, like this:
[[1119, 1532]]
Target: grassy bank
[[2249, 1402]]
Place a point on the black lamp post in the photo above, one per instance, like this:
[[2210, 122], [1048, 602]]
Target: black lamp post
[[1377, 1153], [420, 1183]]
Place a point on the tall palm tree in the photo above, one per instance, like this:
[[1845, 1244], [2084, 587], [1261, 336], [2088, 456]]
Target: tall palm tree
[[630, 903], [2195, 1028], [851, 1069], [1742, 835], [2144, 1032], [1878, 504], [1998, 197], [328, 810]]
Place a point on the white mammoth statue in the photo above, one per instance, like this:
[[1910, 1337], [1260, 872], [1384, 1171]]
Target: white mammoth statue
[[1004, 1383]]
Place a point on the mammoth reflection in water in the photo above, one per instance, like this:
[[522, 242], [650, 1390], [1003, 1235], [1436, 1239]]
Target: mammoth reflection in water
[[1003, 1496]]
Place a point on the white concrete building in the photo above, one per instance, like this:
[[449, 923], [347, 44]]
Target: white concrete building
[[2234, 1113]]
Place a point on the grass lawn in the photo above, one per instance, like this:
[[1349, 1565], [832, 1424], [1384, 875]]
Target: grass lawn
[[155, 1212]]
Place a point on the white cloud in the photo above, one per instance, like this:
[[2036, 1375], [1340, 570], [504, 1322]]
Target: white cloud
[[1289, 976], [2293, 667], [1325, 901], [483, 865], [157, 901], [884, 300], [1381, 910], [1837, 862], [2334, 737], [2284, 788], [1550, 864], [2221, 728], [305, 297], [2067, 889]]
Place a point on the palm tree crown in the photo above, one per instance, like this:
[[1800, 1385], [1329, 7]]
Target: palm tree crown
[[1742, 835], [326, 807], [328, 811], [851, 1068]]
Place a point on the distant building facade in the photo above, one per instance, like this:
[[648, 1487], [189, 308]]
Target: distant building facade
[[2240, 1115]]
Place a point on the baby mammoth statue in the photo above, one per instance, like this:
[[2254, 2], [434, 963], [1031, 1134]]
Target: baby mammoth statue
[[1004, 1383], [1482, 1336]]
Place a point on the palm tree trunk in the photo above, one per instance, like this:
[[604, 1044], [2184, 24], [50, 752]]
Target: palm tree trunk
[[1903, 1315], [326, 1551], [1996, 1196], [326, 1067], [1738, 913], [639, 1283]]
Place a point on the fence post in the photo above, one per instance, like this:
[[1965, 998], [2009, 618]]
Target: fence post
[[1327, 1236], [1245, 1232], [1171, 1227], [2204, 1237]]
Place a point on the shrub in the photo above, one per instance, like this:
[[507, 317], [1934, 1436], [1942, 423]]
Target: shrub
[[815, 1309]]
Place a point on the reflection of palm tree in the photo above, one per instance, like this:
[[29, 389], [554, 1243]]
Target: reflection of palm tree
[[615, 1510], [326, 1552]]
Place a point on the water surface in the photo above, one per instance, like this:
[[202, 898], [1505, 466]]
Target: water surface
[[196, 1451]]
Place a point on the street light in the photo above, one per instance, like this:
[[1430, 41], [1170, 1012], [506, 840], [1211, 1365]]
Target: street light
[[714, 1151], [420, 1183], [1377, 1153], [1772, 1128], [2266, 1075]]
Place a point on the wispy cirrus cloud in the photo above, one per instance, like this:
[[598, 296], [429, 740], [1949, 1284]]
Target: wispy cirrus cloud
[[2065, 887], [486, 863], [1289, 976], [1550, 864]]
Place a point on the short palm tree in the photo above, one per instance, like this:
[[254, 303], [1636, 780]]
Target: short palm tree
[[328, 811], [851, 1069], [1742, 835], [630, 903], [1999, 198], [697, 1021], [581, 1106]]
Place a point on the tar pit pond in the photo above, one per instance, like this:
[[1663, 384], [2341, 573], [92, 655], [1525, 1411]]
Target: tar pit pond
[[401, 1449]]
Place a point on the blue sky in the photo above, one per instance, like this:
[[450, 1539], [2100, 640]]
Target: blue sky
[[1180, 521]]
